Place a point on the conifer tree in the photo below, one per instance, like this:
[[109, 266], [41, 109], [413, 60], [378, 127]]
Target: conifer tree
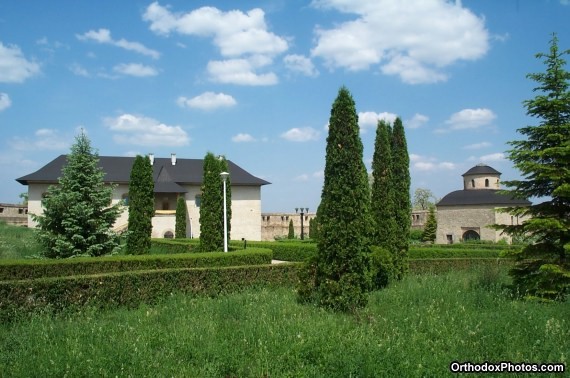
[[383, 207], [291, 234], [430, 228], [402, 203], [180, 227], [542, 269], [77, 218], [342, 266], [141, 207]]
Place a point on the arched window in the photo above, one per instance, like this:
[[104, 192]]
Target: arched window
[[168, 235], [472, 183], [486, 183], [471, 235]]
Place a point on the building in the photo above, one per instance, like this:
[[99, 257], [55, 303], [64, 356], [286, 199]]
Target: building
[[276, 225], [467, 214], [14, 214], [173, 178]]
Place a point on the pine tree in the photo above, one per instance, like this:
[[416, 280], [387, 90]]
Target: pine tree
[[180, 227], [402, 203], [342, 266], [542, 268], [383, 207], [212, 206], [77, 218], [430, 228], [291, 234], [141, 207]]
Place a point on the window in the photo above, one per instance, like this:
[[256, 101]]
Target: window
[[486, 183], [472, 183], [198, 200], [165, 204], [168, 235], [1, 210], [125, 198], [449, 238], [20, 211]]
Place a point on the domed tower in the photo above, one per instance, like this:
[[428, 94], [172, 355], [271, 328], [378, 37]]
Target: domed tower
[[481, 176]]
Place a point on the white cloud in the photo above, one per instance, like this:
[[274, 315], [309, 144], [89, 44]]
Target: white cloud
[[243, 138], [369, 120], [471, 119], [477, 146], [14, 67], [303, 177], [300, 64], [135, 69], [430, 164], [103, 36], [304, 134], [207, 101], [235, 33], [145, 131], [240, 72], [5, 101], [78, 70], [418, 38], [43, 139], [417, 121], [498, 156]]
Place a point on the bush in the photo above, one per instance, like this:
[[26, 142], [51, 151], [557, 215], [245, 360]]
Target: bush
[[420, 252], [382, 267], [436, 266], [29, 269]]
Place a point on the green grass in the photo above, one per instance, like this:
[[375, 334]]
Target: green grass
[[17, 242], [413, 328]]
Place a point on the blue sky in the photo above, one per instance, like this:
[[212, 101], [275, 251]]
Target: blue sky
[[255, 80]]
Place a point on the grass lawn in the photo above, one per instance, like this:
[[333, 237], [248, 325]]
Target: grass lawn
[[17, 242], [416, 327]]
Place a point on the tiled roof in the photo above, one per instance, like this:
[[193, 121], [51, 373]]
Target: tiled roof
[[481, 197], [118, 170], [482, 169]]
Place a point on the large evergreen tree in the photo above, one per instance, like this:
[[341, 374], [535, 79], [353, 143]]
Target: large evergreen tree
[[342, 265], [141, 207], [77, 217], [543, 268], [383, 206], [402, 203], [180, 226], [212, 205], [430, 229]]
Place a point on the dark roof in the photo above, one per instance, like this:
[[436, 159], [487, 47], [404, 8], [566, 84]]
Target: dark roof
[[481, 197], [482, 169], [166, 176]]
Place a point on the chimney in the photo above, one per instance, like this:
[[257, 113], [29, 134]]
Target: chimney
[[173, 159], [151, 157]]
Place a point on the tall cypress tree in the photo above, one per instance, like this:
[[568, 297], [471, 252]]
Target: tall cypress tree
[[342, 277], [211, 207], [77, 218], [141, 207], [430, 229], [180, 226], [402, 202], [383, 207]]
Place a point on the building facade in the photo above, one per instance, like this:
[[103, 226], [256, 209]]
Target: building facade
[[14, 214], [173, 178], [467, 214]]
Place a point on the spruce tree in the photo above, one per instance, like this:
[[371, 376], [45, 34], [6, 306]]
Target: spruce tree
[[383, 206], [77, 218], [430, 228], [402, 203], [542, 269], [342, 266], [291, 234], [212, 206], [141, 207], [180, 227]]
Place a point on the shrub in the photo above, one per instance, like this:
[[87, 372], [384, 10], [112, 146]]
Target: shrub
[[382, 267]]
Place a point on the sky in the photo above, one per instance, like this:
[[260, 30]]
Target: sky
[[255, 81]]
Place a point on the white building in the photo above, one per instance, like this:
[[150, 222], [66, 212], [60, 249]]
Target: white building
[[172, 178], [467, 214]]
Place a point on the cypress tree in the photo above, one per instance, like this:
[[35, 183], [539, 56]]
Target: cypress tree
[[342, 273], [430, 229], [542, 269], [77, 218], [291, 234], [402, 203], [180, 227], [383, 207], [141, 207]]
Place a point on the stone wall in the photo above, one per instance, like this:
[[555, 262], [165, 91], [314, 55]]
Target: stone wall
[[14, 214], [276, 225]]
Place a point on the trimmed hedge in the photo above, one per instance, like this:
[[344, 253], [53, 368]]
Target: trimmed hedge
[[436, 266], [27, 269], [286, 251], [470, 245], [132, 288], [435, 252]]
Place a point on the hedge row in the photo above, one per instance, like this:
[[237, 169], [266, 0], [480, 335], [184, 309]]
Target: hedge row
[[27, 269], [436, 266], [435, 252], [132, 288], [469, 245]]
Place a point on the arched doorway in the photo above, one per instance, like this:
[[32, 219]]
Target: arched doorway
[[471, 235]]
